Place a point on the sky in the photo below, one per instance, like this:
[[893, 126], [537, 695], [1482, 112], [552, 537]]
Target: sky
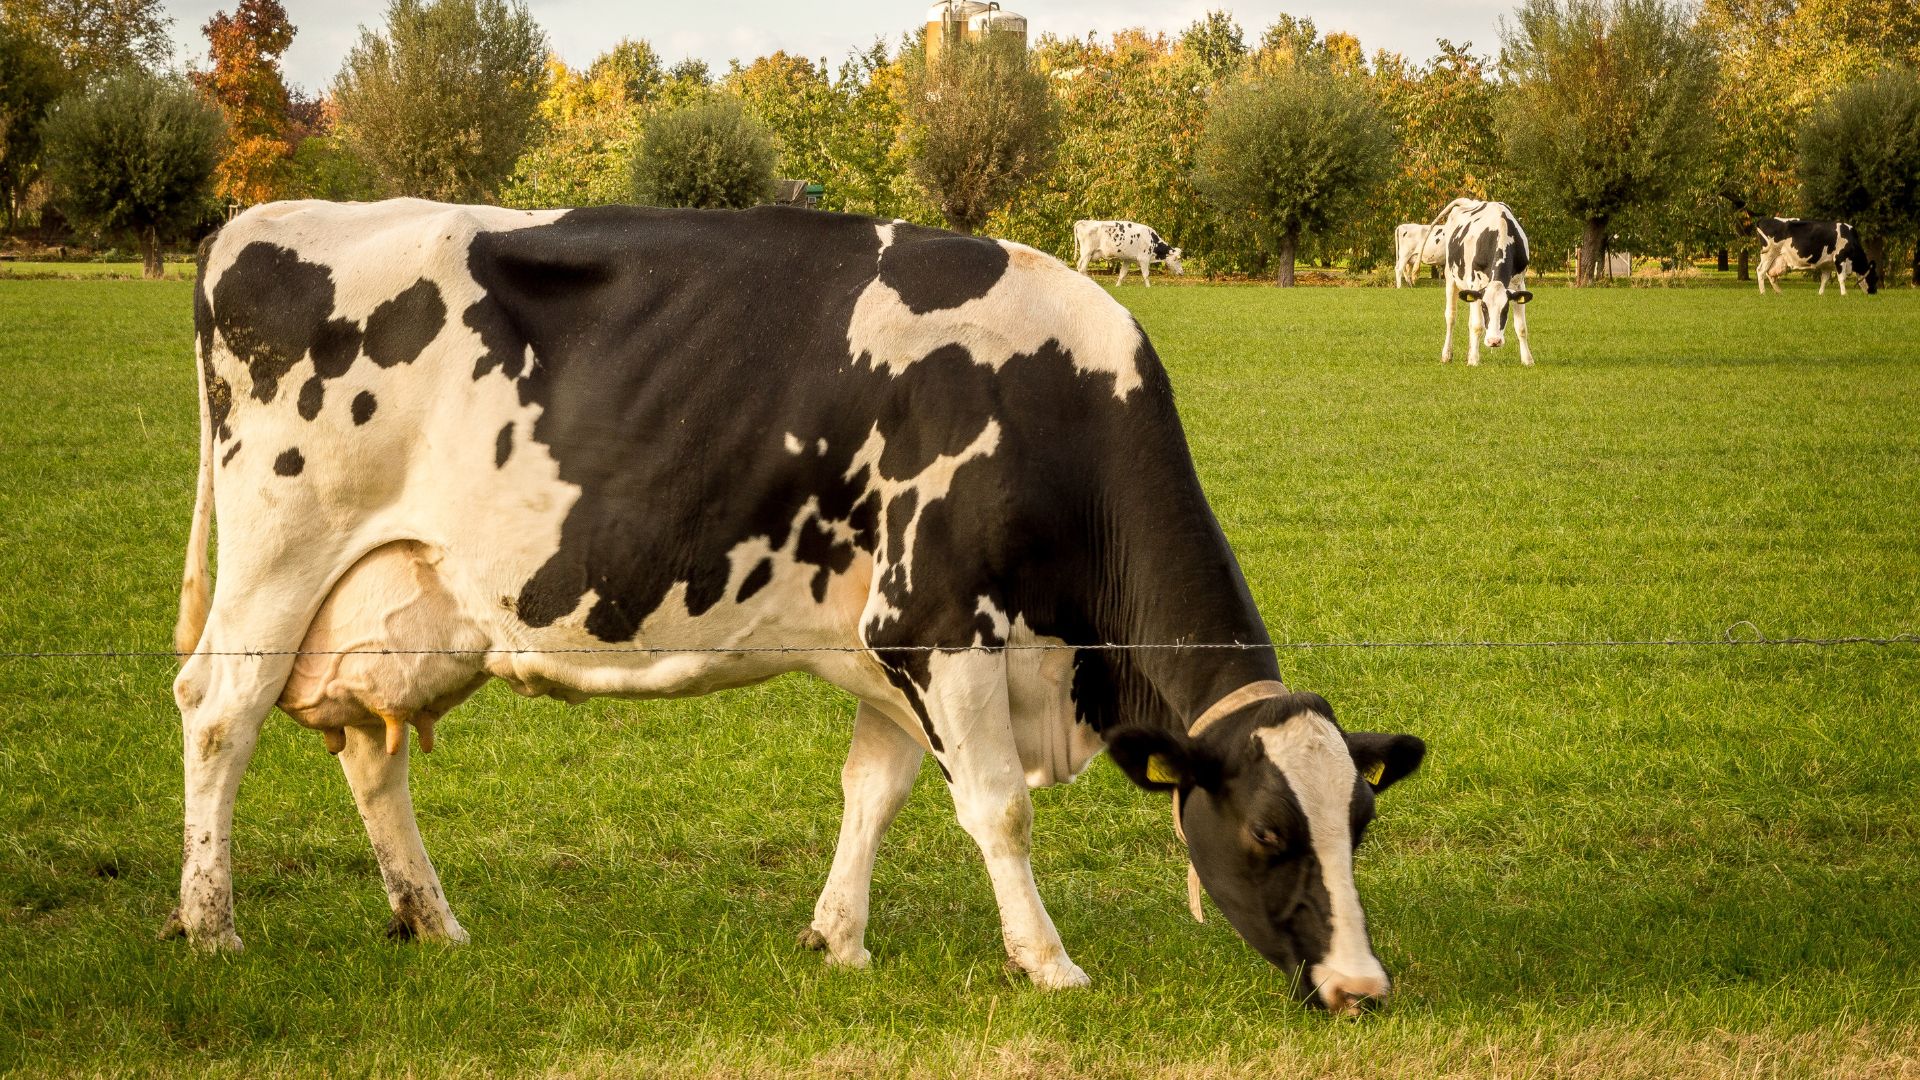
[[719, 30]]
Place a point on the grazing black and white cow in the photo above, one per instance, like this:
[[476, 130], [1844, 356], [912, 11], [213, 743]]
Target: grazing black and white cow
[[1486, 257], [1829, 247], [1125, 241], [1415, 245], [519, 438]]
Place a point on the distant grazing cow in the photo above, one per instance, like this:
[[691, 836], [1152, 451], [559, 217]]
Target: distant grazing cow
[[1830, 247], [1415, 245], [940, 472], [1127, 241], [1486, 260]]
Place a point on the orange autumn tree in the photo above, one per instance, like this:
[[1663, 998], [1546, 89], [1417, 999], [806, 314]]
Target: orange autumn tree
[[247, 86]]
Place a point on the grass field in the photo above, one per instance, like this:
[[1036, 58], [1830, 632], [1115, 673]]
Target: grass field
[[1617, 862]]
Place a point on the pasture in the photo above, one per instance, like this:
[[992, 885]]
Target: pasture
[[1616, 862]]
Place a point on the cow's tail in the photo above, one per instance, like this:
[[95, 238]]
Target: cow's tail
[[194, 590], [193, 584]]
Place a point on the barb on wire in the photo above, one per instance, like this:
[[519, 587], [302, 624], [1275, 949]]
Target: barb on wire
[[1732, 637]]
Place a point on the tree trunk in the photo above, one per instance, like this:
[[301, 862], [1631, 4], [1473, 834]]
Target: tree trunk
[[1916, 261], [152, 270], [1593, 252], [1745, 254], [1723, 260], [1288, 242]]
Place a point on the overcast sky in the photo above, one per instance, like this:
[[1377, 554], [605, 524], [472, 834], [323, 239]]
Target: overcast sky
[[719, 30]]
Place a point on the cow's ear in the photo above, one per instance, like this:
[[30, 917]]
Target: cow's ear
[[1520, 296], [1382, 758], [1469, 295], [1161, 760]]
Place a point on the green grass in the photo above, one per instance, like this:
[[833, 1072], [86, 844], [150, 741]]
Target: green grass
[[1617, 862], [181, 269]]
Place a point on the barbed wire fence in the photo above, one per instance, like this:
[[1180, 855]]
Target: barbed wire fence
[[1742, 634]]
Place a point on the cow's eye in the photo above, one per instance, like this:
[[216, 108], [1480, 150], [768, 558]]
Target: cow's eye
[[1267, 838]]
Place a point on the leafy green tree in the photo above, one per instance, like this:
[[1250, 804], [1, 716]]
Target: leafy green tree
[[1606, 110], [582, 152], [866, 163], [1288, 152], [687, 82], [794, 99], [30, 82], [1215, 45], [634, 67], [441, 104], [135, 153], [93, 37], [981, 126], [1447, 116], [709, 154], [1860, 160]]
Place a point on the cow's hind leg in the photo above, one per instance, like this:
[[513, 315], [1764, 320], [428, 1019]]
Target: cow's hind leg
[[968, 706], [379, 782], [1144, 279], [224, 692], [1446, 344], [1123, 274], [877, 778]]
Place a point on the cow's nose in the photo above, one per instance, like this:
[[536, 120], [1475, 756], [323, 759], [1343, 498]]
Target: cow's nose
[[1349, 995], [1494, 341]]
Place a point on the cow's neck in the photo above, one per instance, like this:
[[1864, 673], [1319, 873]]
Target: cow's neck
[[1170, 578]]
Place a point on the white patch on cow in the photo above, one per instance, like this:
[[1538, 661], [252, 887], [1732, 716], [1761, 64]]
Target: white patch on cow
[[794, 445], [885, 233], [1313, 756], [1038, 299], [996, 618], [1054, 745], [931, 484], [821, 446]]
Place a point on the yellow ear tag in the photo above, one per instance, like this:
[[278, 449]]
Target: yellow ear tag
[[1374, 774], [1159, 771]]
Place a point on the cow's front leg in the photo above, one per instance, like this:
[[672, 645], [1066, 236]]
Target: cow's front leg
[[1446, 344], [1123, 274], [1824, 275], [1145, 280], [877, 778], [1476, 325], [379, 783], [1520, 331], [1842, 275], [968, 708]]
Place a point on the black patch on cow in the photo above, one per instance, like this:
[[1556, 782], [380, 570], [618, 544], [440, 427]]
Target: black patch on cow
[[271, 307], [503, 446], [313, 394], [1161, 249], [941, 271], [363, 406], [219, 403], [289, 463], [231, 450], [1087, 521], [400, 329], [756, 579]]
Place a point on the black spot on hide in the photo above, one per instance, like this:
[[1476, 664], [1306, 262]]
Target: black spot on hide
[[289, 463], [401, 328], [756, 579], [313, 394], [363, 406], [503, 446], [228, 456], [942, 271], [271, 307]]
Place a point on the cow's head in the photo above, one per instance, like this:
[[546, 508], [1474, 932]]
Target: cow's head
[[1494, 301], [1274, 799], [1168, 255]]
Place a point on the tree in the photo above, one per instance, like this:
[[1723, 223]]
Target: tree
[[866, 164], [30, 81], [793, 98], [247, 86], [92, 37], [1286, 153], [1860, 160], [582, 153], [1607, 108], [1447, 116], [634, 67], [135, 152], [982, 126], [1216, 46], [441, 104], [709, 154]]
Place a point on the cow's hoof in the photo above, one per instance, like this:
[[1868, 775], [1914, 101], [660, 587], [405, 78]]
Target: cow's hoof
[[854, 958], [403, 928], [1059, 975], [223, 940]]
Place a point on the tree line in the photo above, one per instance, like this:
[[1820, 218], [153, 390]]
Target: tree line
[[1652, 126]]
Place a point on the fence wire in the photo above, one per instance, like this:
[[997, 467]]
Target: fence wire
[[1742, 634]]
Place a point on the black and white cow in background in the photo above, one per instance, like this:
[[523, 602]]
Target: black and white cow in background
[[1829, 247], [1415, 245], [1486, 257], [516, 435], [1125, 241]]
